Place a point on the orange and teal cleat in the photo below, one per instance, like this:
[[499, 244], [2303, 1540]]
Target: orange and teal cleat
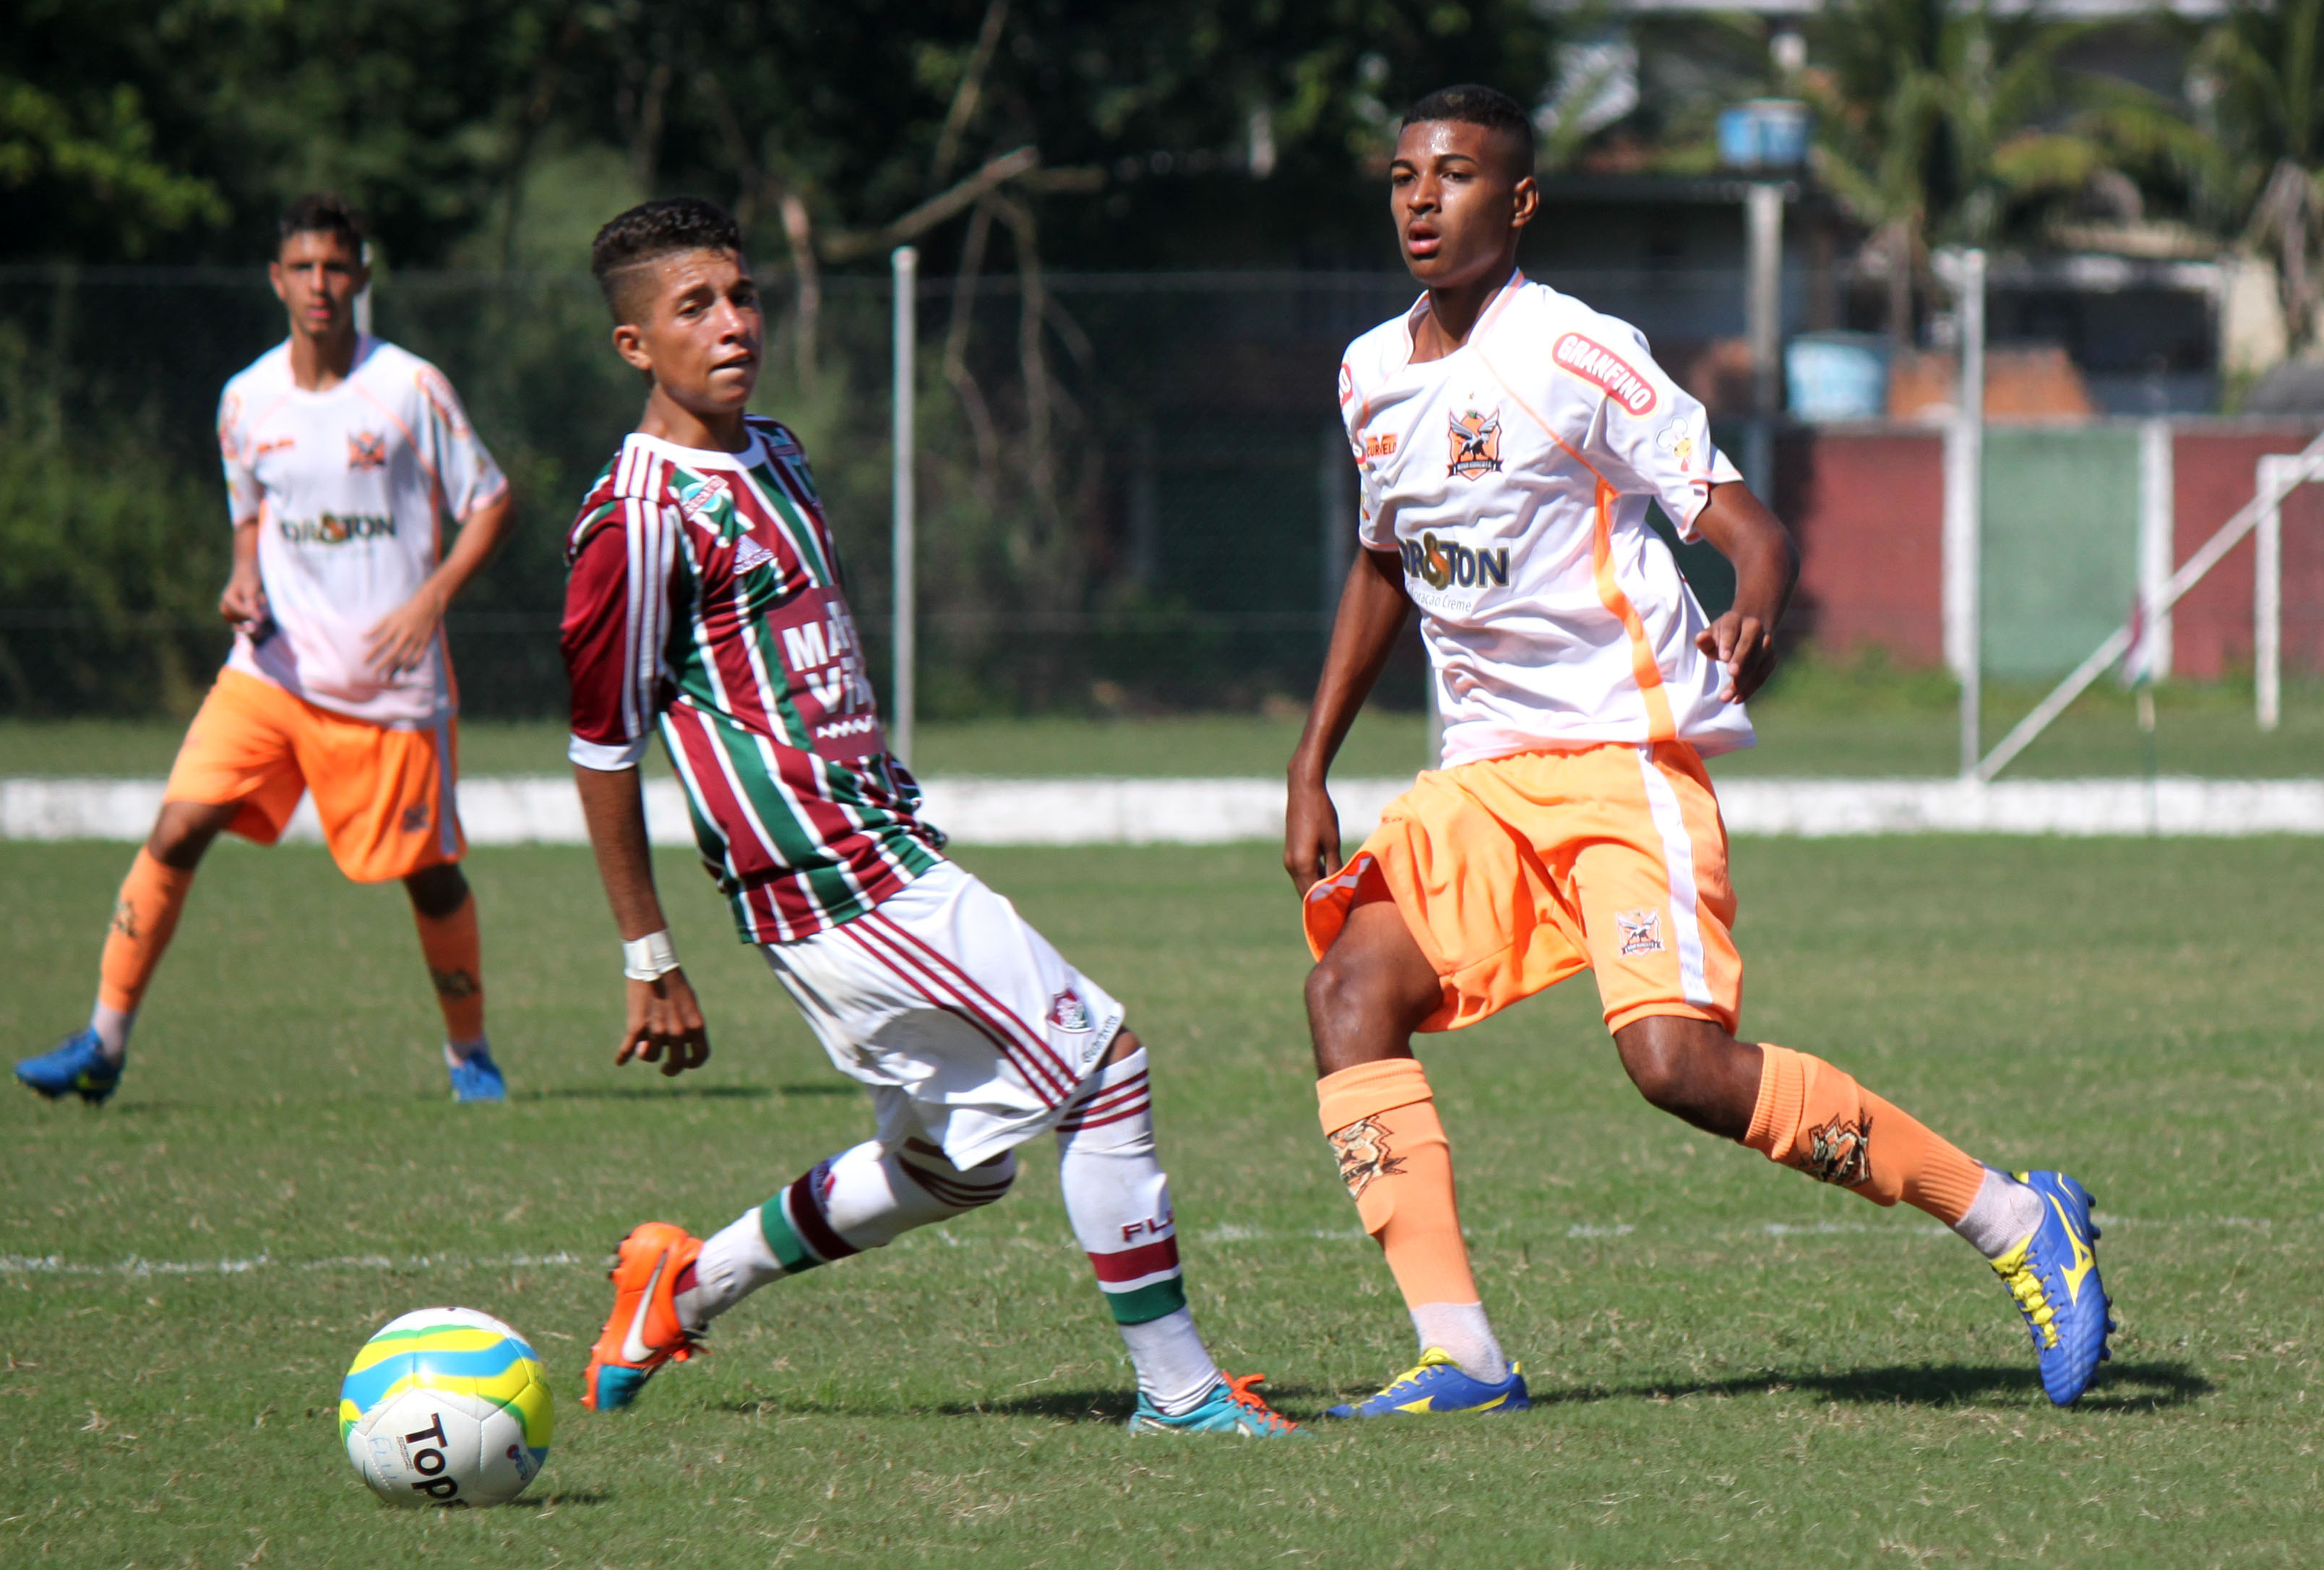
[[643, 1332], [1232, 1407], [2053, 1275], [1435, 1384]]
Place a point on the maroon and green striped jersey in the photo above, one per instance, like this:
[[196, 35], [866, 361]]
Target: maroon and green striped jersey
[[703, 595]]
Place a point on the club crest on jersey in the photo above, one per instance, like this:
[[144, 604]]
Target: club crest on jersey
[[700, 501], [1068, 1012], [365, 449], [1641, 931], [1603, 368], [1476, 444]]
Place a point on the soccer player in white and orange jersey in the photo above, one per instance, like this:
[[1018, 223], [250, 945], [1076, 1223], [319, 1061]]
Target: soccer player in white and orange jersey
[[342, 455], [705, 600], [1510, 440]]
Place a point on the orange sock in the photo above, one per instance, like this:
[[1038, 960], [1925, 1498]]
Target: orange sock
[[1812, 1117], [456, 964], [144, 915], [1381, 1120]]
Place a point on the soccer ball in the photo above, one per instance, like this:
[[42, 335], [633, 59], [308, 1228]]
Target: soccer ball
[[446, 1407]]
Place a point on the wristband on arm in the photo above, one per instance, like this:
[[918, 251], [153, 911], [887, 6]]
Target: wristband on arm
[[649, 958]]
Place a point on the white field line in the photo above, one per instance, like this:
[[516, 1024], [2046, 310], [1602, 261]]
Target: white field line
[[543, 810], [139, 1268]]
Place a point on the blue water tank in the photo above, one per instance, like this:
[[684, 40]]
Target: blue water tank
[[1837, 375]]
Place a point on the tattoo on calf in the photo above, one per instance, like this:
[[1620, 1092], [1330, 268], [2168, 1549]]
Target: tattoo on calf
[[455, 983]]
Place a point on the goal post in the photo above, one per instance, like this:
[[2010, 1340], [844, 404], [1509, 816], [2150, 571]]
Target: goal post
[[2278, 475]]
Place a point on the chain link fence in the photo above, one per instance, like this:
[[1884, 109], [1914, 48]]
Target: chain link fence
[[1133, 492]]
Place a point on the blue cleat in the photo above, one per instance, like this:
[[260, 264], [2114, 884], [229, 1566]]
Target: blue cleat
[[2054, 1277], [1436, 1384], [478, 1078], [1232, 1407], [77, 1065]]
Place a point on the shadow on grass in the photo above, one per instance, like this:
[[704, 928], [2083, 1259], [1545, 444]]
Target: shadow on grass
[[821, 1087], [560, 1501], [2120, 1387], [1109, 1407], [652, 1092]]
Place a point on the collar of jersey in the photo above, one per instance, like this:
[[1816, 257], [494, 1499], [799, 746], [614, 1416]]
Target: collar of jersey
[[1489, 318], [703, 458]]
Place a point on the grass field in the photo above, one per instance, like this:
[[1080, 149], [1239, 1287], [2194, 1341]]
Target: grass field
[[1732, 1365], [1820, 720]]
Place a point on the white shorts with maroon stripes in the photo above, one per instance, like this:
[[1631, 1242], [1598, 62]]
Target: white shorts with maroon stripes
[[968, 1027]]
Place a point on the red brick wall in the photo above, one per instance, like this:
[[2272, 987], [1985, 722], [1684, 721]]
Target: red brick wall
[[2212, 630], [1868, 509]]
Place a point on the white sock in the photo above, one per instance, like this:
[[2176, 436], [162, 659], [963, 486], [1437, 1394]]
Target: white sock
[[112, 1028], [456, 1053], [1465, 1335], [2003, 1215], [1174, 1368], [865, 1197], [734, 1263], [1118, 1198]]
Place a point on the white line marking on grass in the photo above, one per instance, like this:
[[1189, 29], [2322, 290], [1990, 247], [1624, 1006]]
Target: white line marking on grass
[[141, 1269], [543, 810]]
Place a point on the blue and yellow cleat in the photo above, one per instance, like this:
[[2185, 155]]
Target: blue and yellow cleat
[[1436, 1384], [77, 1065], [2054, 1277], [1232, 1407], [477, 1077]]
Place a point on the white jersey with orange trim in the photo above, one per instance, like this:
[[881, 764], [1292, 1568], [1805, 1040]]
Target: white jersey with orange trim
[[1514, 476], [349, 487]]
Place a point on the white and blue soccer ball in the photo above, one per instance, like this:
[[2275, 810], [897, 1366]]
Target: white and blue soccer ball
[[446, 1407]]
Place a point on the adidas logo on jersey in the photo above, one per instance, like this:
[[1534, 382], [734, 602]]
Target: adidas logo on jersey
[[749, 555]]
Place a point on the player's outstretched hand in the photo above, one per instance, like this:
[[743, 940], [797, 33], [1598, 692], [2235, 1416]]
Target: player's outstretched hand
[[1311, 835], [400, 640], [1746, 647], [666, 1025]]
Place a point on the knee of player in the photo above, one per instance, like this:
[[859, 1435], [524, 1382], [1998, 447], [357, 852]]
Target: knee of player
[[1338, 991], [1660, 1062], [438, 891]]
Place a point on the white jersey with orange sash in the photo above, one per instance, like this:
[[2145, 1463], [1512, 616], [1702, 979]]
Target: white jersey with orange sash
[[1514, 476], [350, 488]]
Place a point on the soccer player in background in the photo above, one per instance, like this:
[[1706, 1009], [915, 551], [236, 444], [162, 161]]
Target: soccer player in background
[[706, 598], [343, 454], [1509, 440]]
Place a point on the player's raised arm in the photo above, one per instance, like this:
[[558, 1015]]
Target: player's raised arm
[[1372, 608], [1739, 526]]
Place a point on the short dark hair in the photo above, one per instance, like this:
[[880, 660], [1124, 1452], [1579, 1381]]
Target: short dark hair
[[649, 232], [1474, 105], [321, 212]]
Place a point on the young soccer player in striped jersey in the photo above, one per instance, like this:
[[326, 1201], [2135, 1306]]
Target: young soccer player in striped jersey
[[1509, 440], [706, 599], [343, 455]]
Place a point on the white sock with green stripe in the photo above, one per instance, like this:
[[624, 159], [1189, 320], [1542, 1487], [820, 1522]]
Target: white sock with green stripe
[[1119, 1199], [862, 1198]]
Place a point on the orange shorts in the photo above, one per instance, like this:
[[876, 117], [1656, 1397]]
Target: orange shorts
[[385, 796], [1515, 873]]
